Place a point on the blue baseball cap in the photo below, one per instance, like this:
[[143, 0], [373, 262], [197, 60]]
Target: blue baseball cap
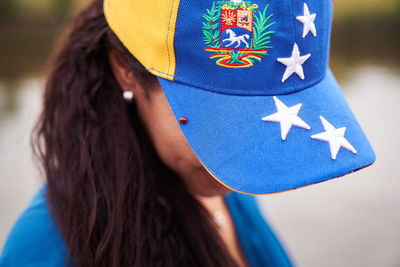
[[250, 84]]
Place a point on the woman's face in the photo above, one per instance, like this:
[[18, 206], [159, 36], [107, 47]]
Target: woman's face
[[164, 130], [172, 146]]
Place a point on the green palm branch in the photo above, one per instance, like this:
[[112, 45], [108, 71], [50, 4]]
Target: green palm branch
[[261, 30], [210, 27]]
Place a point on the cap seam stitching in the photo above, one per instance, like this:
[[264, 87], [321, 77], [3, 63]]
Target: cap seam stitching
[[169, 27], [292, 16], [211, 90], [161, 72]]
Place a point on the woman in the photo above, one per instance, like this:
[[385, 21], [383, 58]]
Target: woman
[[124, 182]]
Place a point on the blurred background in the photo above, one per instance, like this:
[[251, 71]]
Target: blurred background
[[352, 221]]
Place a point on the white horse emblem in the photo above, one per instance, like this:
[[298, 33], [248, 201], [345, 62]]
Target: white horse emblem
[[236, 39]]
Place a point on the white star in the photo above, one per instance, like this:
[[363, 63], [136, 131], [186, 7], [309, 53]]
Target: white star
[[287, 117], [308, 21], [335, 138], [294, 64]]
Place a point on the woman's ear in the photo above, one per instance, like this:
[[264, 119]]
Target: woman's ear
[[123, 74]]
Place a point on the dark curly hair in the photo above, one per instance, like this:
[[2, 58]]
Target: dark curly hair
[[113, 199]]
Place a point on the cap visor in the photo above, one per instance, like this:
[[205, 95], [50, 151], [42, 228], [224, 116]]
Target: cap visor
[[248, 155]]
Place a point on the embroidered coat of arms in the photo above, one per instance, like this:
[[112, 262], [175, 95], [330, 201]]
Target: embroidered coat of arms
[[237, 33]]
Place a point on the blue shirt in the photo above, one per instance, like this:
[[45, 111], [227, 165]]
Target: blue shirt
[[35, 239]]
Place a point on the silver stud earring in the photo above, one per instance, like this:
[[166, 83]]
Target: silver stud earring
[[128, 96]]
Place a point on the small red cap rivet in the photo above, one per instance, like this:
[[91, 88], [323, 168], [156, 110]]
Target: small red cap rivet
[[183, 120]]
